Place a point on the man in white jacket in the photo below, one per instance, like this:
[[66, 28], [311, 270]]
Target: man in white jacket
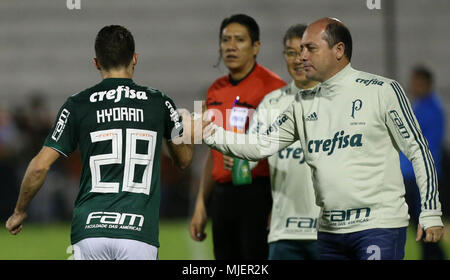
[[352, 127]]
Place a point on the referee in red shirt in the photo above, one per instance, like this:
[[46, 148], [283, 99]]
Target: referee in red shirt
[[239, 214]]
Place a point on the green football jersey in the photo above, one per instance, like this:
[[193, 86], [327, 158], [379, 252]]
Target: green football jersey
[[118, 127]]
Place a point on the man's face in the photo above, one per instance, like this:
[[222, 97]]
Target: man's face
[[319, 60], [236, 47], [293, 62]]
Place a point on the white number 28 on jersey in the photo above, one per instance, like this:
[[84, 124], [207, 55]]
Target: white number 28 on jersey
[[132, 158]]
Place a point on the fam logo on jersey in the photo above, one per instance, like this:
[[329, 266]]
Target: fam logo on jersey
[[395, 117], [373, 81], [60, 125], [116, 94], [114, 220], [339, 141], [174, 116], [301, 224], [346, 216]]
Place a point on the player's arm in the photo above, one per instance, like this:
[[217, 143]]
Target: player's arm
[[33, 180], [260, 143], [407, 133], [178, 139], [259, 122], [181, 153], [61, 140], [199, 218]]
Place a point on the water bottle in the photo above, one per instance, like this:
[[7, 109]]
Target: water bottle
[[241, 172]]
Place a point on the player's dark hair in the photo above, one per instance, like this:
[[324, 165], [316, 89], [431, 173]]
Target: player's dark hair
[[114, 47], [424, 72], [245, 20], [336, 32], [295, 31]]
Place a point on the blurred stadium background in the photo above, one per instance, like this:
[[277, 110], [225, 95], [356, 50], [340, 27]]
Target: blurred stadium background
[[45, 56]]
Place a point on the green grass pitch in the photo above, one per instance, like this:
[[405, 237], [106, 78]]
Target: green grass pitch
[[52, 242]]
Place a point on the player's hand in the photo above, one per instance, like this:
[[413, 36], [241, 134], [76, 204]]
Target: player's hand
[[432, 234], [187, 126], [198, 223], [14, 223], [228, 162], [200, 124]]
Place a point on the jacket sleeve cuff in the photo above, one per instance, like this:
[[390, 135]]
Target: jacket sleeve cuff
[[430, 221]]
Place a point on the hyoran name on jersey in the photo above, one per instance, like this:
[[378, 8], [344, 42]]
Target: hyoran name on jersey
[[339, 139], [116, 94], [120, 114]]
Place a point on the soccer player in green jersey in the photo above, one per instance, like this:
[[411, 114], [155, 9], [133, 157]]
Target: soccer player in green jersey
[[119, 128]]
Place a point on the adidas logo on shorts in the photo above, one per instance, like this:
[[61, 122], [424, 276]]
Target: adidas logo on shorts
[[312, 117]]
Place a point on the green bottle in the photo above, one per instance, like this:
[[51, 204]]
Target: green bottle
[[241, 173]]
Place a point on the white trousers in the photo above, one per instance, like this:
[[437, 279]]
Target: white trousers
[[102, 248]]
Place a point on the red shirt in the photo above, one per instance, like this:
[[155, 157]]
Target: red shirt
[[251, 90]]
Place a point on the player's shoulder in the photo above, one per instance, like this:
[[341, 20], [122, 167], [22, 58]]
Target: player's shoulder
[[79, 96], [152, 92], [84, 95], [276, 95], [365, 80], [370, 80], [385, 88], [154, 95]]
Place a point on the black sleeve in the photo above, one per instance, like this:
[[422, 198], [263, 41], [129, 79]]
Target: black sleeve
[[173, 126]]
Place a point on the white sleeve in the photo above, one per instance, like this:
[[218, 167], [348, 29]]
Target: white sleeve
[[405, 129], [262, 140]]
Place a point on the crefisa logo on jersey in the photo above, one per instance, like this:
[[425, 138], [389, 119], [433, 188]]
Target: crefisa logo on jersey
[[174, 116], [61, 124], [339, 141], [373, 81], [114, 220], [292, 153], [276, 124], [116, 94]]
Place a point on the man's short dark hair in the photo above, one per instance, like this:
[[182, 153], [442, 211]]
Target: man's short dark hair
[[245, 20], [424, 72], [295, 31], [114, 47], [336, 32]]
